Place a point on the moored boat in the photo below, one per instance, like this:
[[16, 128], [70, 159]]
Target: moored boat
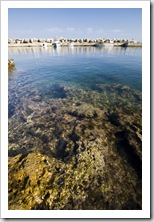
[[98, 44], [71, 44], [123, 44], [108, 44], [56, 44]]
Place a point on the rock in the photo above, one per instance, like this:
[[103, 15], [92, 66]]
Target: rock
[[83, 151], [11, 65], [54, 91], [85, 111]]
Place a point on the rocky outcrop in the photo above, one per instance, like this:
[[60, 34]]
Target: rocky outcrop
[[76, 149], [11, 65]]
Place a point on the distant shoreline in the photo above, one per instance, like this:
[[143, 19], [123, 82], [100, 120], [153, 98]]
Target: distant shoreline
[[65, 44]]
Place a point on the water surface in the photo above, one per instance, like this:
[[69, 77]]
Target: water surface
[[78, 66], [75, 128]]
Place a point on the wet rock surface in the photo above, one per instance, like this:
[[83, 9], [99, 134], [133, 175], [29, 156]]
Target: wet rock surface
[[77, 149], [11, 65]]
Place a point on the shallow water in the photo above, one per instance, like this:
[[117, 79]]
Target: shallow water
[[78, 66], [75, 116]]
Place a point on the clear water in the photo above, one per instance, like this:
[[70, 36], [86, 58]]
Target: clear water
[[82, 67], [75, 128]]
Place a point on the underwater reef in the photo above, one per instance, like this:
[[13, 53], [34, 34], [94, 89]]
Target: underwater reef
[[75, 149]]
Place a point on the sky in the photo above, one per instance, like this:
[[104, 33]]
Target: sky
[[91, 23]]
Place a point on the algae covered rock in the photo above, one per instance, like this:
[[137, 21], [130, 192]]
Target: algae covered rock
[[11, 65], [78, 151]]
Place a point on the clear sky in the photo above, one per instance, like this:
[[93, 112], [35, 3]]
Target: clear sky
[[75, 23]]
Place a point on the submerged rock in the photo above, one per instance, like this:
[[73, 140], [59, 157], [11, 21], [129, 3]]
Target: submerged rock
[[54, 91], [81, 151]]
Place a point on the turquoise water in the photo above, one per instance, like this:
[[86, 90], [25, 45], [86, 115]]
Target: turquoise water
[[79, 66]]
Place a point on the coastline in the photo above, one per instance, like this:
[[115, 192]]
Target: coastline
[[66, 44]]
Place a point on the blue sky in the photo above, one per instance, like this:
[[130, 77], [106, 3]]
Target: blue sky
[[75, 23]]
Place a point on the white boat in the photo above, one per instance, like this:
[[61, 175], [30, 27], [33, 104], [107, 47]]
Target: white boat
[[98, 44], [56, 44], [108, 44], [71, 44], [123, 44]]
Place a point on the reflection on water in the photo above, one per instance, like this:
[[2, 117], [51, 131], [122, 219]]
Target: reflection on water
[[74, 50], [75, 129], [79, 66]]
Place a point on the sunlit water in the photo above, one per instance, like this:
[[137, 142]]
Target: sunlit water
[[78, 66]]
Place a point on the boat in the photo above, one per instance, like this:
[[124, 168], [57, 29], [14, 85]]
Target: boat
[[98, 45], [123, 44], [108, 44], [56, 44], [71, 44]]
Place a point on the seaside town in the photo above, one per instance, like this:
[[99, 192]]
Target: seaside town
[[73, 42]]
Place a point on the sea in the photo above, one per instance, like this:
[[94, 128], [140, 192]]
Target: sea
[[75, 128], [81, 67]]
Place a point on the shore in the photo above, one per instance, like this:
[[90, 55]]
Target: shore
[[65, 44]]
